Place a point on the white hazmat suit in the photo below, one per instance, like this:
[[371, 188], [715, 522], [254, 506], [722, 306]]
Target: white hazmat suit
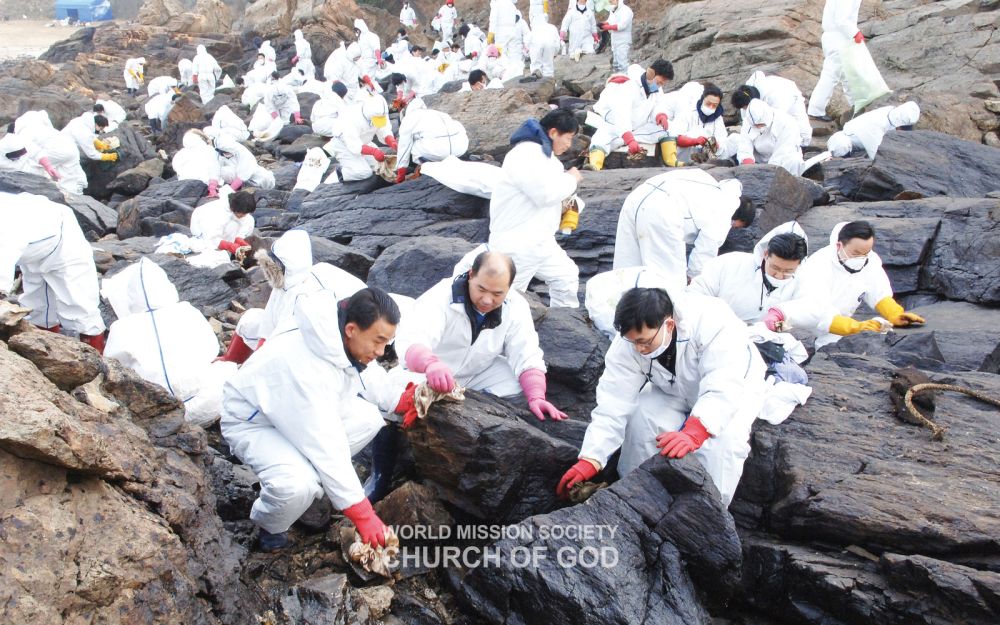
[[782, 94], [621, 38], [428, 135], [840, 26], [866, 131], [206, 71]]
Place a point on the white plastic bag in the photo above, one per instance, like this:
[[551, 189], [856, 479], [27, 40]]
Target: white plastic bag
[[863, 80]]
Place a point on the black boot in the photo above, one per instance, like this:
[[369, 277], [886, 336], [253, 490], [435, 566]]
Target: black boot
[[385, 448]]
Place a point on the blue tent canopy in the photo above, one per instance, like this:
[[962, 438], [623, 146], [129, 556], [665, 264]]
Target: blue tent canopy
[[84, 10]]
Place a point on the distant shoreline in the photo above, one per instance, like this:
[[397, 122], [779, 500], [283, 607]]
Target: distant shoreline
[[30, 37]]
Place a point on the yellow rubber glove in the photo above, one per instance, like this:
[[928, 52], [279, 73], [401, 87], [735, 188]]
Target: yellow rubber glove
[[545, 7], [845, 326], [570, 220], [110, 156], [101, 145], [489, 38], [890, 309]]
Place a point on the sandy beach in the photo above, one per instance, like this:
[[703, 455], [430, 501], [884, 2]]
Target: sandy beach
[[30, 37]]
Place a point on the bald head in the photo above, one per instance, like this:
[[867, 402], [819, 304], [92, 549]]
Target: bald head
[[495, 265], [490, 278]]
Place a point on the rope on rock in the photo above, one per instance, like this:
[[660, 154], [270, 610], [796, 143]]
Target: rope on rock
[[937, 432]]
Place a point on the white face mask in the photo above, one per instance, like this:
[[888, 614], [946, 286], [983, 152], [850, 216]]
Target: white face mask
[[707, 111], [853, 264], [779, 281], [664, 344]]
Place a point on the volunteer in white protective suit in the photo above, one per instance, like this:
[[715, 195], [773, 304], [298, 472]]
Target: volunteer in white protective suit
[[270, 54], [447, 18], [166, 341], [407, 16], [630, 112], [772, 137], [543, 48], [503, 18], [353, 133], [836, 279], [50, 149], [427, 135], [83, 130], [371, 49], [471, 331], [238, 166], [672, 210], [342, 66], [161, 84], [112, 110], [753, 283], [620, 24], [780, 94], [413, 77], [134, 74], [706, 382], [225, 223], [303, 49], [866, 131], [538, 11], [280, 102], [473, 40], [299, 410], [59, 278], [15, 156], [158, 109], [185, 69], [326, 111], [205, 73], [228, 122], [261, 72], [518, 47], [579, 29], [288, 267], [197, 160], [840, 28], [526, 206], [695, 125]]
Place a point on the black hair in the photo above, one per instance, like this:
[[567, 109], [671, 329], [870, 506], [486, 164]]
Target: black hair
[[711, 89], [563, 120], [339, 88], [482, 257], [476, 76], [100, 121], [242, 202], [401, 31], [369, 305], [662, 67], [464, 30], [742, 96], [788, 246], [396, 79], [98, 107], [856, 230], [642, 308], [419, 49], [275, 75], [745, 212]]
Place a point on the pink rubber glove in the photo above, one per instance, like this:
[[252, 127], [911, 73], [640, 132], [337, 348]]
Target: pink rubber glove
[[663, 121], [597, 38], [562, 35], [773, 318], [533, 384], [213, 188], [747, 161], [274, 114], [49, 169], [236, 184], [421, 359], [295, 59], [297, 116]]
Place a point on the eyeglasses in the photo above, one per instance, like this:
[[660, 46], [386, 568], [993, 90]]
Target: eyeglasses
[[781, 273], [645, 343]]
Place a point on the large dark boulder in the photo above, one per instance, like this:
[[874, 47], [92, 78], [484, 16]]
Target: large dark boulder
[[574, 357], [672, 537], [922, 161], [965, 260], [348, 259], [415, 264], [134, 150], [373, 221]]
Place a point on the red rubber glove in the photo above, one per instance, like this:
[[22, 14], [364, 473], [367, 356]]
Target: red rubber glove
[[297, 116], [295, 59], [747, 161], [368, 81], [679, 444], [619, 79], [194, 79], [859, 38], [533, 384], [213, 188], [406, 405], [597, 38], [378, 58], [773, 318], [228, 246], [240, 242], [690, 142], [582, 471], [374, 152], [606, 26], [236, 184], [562, 35], [371, 528], [49, 169], [400, 175], [664, 122], [274, 114], [391, 142], [633, 145]]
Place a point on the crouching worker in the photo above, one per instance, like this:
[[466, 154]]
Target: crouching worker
[[299, 410], [707, 388]]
